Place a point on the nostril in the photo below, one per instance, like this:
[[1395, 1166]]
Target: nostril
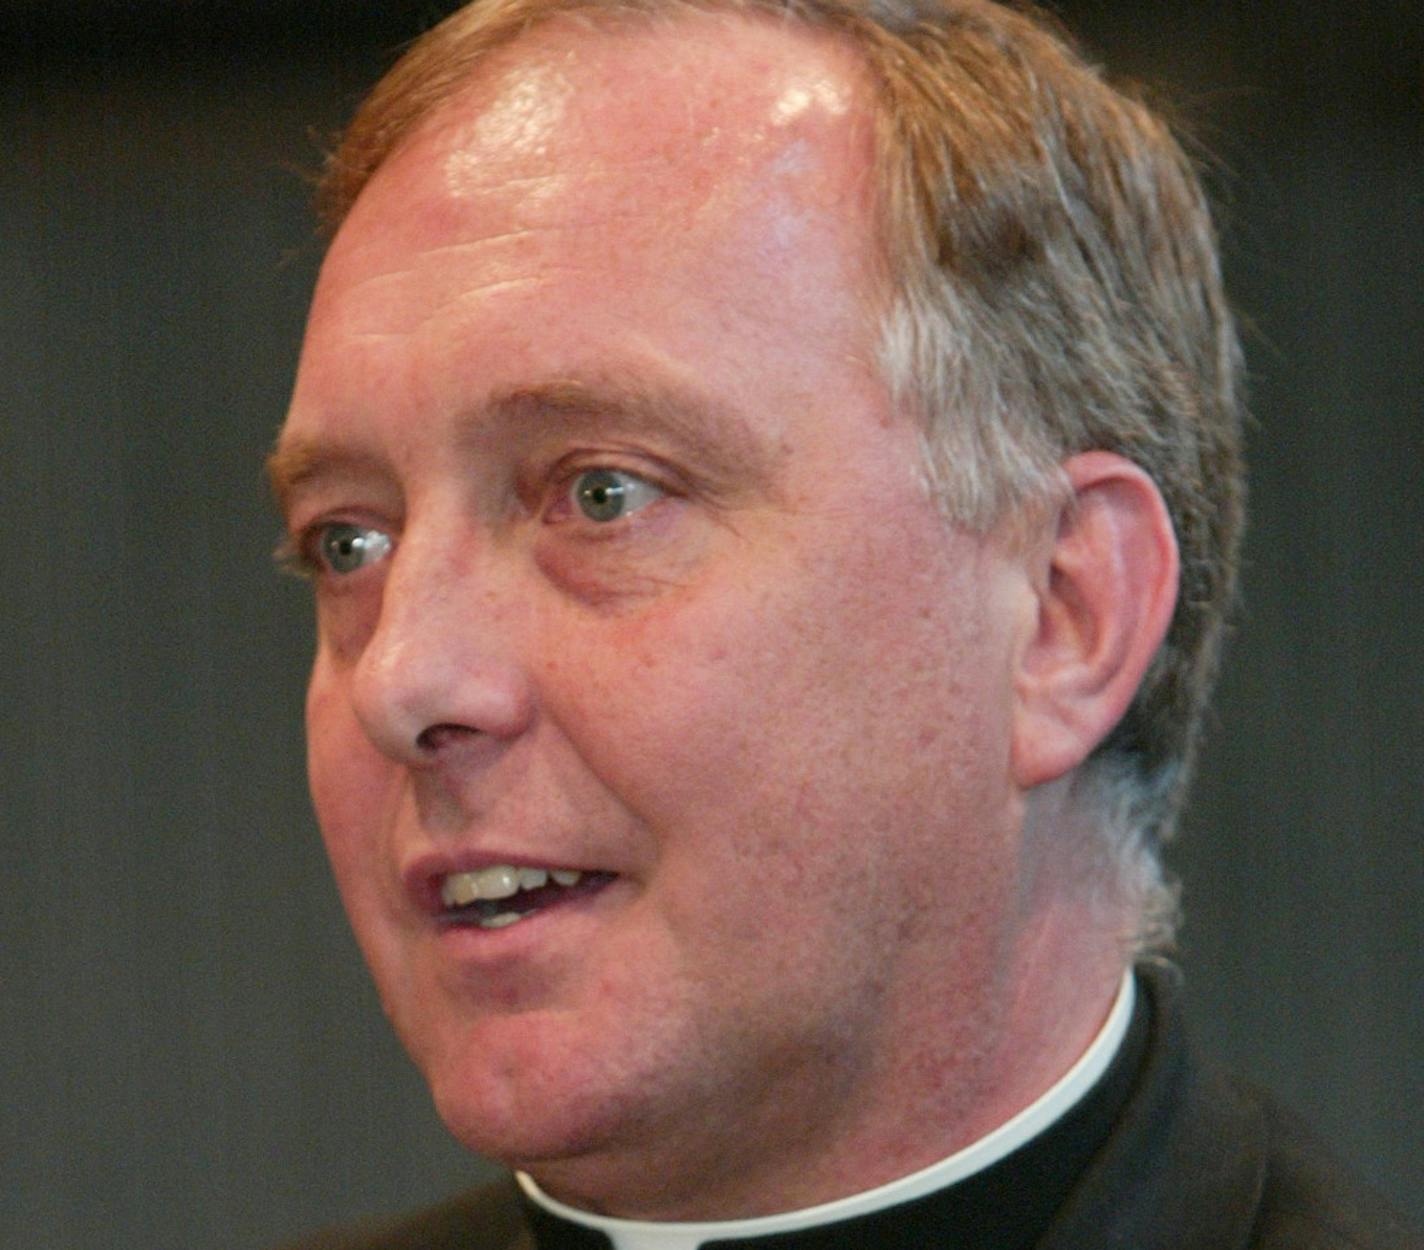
[[436, 737]]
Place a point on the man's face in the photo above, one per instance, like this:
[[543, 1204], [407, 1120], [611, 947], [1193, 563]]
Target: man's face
[[626, 569]]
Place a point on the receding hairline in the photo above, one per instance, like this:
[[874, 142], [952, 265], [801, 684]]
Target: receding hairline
[[449, 93], [422, 87]]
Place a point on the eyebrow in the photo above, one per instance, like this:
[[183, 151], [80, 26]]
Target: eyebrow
[[726, 443], [297, 461], [727, 447]]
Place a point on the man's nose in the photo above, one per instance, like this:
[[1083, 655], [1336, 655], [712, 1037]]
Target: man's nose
[[442, 672]]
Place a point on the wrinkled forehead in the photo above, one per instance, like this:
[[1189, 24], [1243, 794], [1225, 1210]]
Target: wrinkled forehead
[[682, 119]]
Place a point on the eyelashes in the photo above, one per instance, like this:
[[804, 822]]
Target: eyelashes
[[337, 548], [596, 498]]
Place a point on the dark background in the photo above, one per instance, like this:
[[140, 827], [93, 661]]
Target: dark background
[[190, 1054]]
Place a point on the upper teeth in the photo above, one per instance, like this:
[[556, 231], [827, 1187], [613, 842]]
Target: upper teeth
[[460, 889]]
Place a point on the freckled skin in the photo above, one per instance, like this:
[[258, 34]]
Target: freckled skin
[[783, 717]]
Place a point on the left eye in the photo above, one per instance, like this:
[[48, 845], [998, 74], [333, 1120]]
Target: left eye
[[344, 548], [607, 494]]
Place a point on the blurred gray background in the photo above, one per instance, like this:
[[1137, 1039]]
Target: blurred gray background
[[190, 1054]]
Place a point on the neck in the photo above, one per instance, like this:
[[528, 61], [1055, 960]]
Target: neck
[[1043, 1116], [963, 1047], [949, 1091]]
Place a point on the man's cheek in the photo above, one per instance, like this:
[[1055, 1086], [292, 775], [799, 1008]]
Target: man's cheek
[[655, 555], [353, 786], [681, 685], [346, 617]]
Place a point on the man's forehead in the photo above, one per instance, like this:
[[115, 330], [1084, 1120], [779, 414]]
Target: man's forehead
[[699, 69], [679, 149], [689, 106]]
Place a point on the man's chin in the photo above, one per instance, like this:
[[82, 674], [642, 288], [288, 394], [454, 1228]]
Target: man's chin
[[527, 1094], [525, 1139]]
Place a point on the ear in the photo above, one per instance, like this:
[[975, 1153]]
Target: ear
[[1105, 574]]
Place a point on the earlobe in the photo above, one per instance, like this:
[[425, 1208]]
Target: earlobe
[[1106, 589]]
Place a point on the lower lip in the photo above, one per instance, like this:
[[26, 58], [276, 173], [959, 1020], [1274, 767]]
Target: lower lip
[[577, 906]]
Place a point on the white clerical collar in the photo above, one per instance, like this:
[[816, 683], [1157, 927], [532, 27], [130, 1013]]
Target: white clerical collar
[[1034, 1119]]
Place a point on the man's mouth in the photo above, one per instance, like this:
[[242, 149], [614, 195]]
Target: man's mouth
[[500, 895]]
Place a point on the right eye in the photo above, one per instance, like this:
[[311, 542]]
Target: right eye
[[605, 495], [345, 548]]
